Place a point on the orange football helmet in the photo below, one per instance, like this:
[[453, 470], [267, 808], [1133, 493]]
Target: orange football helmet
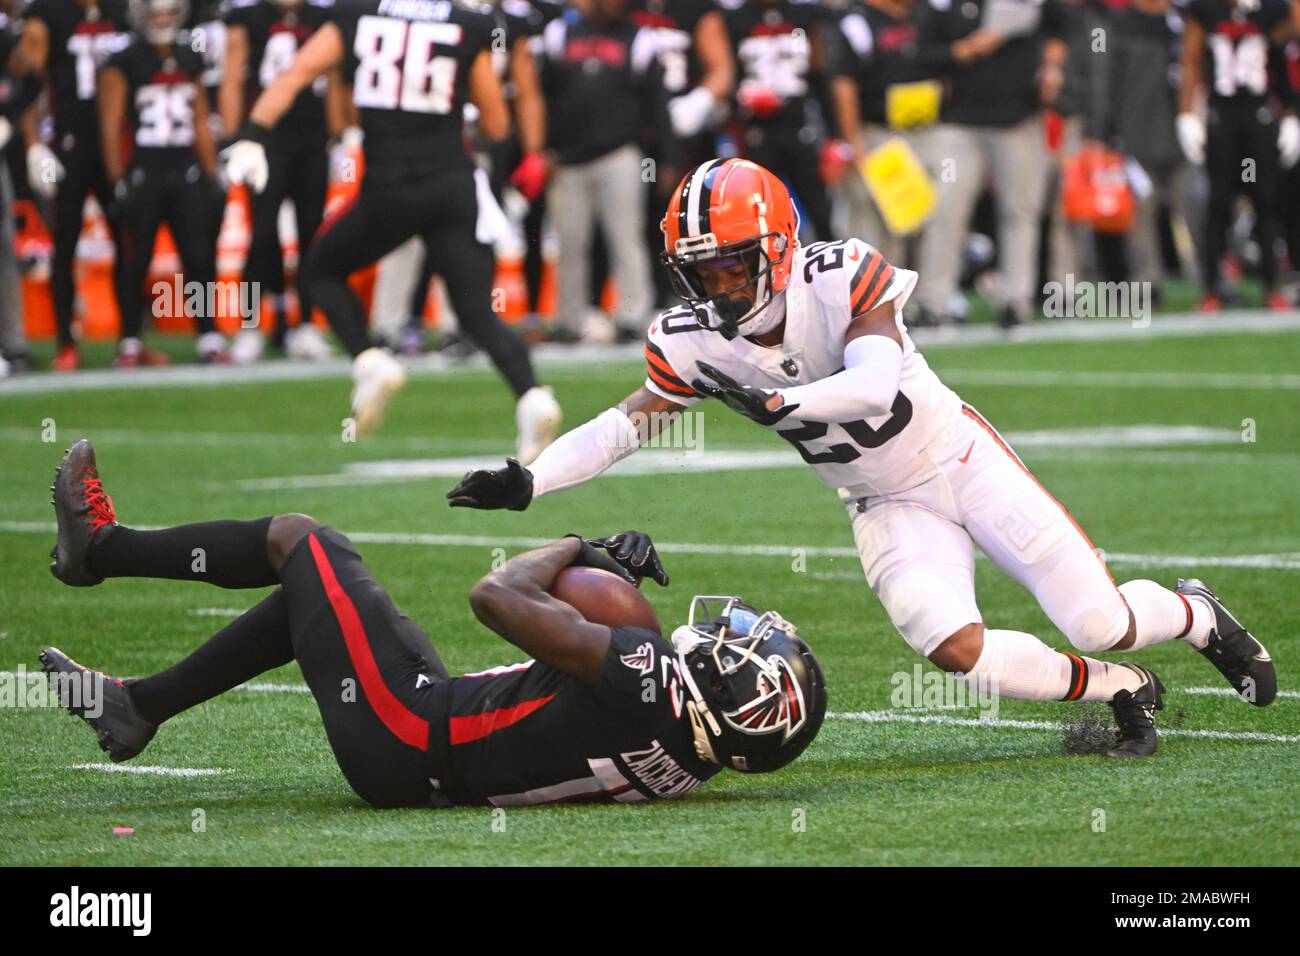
[[725, 213]]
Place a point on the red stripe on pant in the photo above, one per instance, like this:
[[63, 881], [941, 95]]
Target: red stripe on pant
[[406, 726]]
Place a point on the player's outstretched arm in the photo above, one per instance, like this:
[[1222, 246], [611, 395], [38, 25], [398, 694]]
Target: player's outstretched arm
[[513, 601], [575, 457], [873, 369]]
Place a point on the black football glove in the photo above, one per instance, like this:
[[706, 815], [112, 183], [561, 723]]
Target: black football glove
[[635, 552], [593, 555], [509, 487], [749, 401]]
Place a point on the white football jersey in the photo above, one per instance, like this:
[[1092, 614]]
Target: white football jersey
[[830, 282]]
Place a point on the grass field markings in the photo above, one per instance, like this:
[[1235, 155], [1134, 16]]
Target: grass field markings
[[1229, 692], [152, 771], [216, 611], [583, 357], [1284, 561], [1188, 381], [1001, 723], [322, 440]]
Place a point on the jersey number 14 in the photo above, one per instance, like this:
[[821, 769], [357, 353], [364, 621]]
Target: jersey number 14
[[398, 68]]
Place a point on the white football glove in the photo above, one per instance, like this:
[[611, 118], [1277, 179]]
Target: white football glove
[[245, 163], [44, 171], [691, 111], [1288, 141], [1191, 137], [6, 132]]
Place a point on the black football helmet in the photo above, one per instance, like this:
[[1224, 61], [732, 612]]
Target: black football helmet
[[757, 693]]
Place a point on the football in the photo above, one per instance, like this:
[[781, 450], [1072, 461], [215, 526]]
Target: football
[[604, 598]]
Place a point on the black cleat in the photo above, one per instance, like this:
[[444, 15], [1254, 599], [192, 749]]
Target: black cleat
[[82, 509], [1135, 716], [122, 732], [1238, 656]]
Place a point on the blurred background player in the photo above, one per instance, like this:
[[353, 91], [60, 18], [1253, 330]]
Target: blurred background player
[[734, 689], [152, 92], [419, 180], [1228, 46], [783, 97], [990, 125], [16, 95], [604, 86], [699, 75], [262, 38], [69, 40]]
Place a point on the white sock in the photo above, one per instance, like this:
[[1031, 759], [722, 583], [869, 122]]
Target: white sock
[[1164, 615], [1021, 667]]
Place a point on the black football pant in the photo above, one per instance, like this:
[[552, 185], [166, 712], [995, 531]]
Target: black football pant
[[441, 208], [1233, 137], [382, 690], [299, 171], [181, 196], [83, 174], [779, 148], [381, 687]]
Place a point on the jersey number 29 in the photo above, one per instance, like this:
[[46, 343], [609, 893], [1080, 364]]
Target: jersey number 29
[[397, 67]]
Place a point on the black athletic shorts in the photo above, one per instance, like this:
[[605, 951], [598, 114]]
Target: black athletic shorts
[[382, 690]]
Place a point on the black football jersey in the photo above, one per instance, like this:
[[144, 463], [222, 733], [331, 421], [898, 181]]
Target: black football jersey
[[160, 100], [81, 40], [878, 50], [772, 43], [409, 63], [515, 20], [531, 734], [205, 34], [274, 37], [673, 24], [1237, 45]]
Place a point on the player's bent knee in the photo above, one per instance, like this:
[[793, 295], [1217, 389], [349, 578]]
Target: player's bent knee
[[1099, 629], [284, 533], [960, 651]]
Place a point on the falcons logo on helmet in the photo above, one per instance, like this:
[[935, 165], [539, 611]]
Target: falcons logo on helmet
[[777, 704]]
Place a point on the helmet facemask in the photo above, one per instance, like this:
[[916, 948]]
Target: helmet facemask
[[695, 256], [735, 692]]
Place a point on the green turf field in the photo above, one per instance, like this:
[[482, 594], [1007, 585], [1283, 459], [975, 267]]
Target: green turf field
[[881, 785]]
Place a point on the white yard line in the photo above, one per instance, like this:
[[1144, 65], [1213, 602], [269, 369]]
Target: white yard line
[[558, 357], [1287, 561], [899, 717], [152, 771]]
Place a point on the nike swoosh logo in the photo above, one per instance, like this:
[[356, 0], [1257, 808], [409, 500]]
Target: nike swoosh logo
[[854, 256], [966, 457]]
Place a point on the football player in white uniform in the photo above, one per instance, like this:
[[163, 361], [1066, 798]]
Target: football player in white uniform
[[810, 342]]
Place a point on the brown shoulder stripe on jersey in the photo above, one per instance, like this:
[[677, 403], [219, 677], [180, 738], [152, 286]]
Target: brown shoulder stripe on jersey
[[870, 282], [662, 374]]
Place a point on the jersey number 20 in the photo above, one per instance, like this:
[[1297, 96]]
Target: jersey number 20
[[397, 67]]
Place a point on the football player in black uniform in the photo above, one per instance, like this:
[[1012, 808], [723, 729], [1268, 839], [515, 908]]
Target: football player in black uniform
[[782, 68], [699, 76], [598, 713], [70, 39], [262, 39], [1227, 48], [412, 65], [154, 88]]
